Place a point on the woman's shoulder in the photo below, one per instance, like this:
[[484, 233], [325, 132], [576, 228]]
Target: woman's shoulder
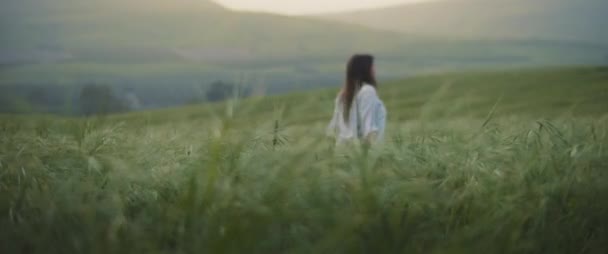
[[367, 90]]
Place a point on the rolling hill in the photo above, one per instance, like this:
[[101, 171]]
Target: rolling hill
[[199, 31], [156, 30], [584, 20], [168, 52]]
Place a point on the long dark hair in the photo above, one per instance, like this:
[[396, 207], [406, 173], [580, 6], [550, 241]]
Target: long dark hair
[[358, 72]]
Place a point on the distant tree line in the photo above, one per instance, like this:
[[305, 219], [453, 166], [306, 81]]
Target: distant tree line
[[220, 90], [101, 98], [98, 99]]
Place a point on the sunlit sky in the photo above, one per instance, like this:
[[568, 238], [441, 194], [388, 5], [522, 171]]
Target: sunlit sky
[[298, 7]]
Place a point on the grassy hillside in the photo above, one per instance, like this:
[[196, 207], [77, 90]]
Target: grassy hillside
[[534, 93], [490, 162], [492, 19]]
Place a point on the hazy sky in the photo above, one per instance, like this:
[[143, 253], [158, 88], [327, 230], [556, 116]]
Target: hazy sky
[[307, 6]]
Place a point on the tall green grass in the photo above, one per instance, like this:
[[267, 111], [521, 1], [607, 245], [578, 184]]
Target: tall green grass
[[257, 180]]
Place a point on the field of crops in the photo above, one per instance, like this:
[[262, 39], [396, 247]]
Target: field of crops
[[495, 162]]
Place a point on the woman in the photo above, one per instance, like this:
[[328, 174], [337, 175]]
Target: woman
[[359, 114]]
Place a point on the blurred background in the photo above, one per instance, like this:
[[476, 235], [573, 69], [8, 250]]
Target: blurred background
[[122, 128], [77, 57]]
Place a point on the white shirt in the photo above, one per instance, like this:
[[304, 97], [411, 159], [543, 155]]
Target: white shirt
[[367, 115]]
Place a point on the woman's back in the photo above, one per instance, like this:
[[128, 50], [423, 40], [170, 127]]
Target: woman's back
[[367, 116]]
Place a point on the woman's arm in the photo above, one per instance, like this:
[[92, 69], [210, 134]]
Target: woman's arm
[[369, 111]]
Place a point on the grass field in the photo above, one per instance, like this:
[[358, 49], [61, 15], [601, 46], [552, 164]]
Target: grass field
[[487, 162]]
